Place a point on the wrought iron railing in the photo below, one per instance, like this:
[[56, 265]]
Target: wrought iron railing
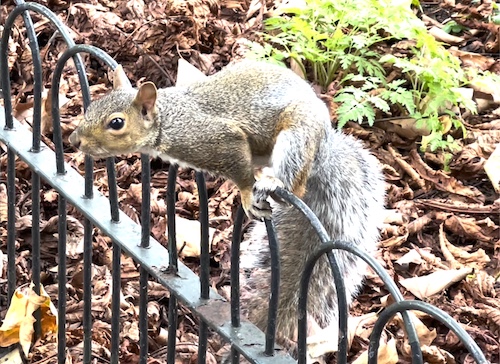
[[214, 312]]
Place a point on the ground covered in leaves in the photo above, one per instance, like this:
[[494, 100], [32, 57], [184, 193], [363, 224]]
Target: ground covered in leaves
[[440, 242]]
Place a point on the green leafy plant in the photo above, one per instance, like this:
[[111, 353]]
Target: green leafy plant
[[342, 43], [453, 27]]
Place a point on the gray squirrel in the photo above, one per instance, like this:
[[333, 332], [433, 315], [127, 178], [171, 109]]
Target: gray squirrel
[[263, 127]]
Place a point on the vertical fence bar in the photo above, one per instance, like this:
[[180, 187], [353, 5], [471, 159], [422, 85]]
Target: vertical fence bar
[[143, 279], [143, 315], [235, 267], [87, 291], [205, 249], [11, 167], [146, 200], [87, 263], [172, 329], [35, 251], [11, 178], [4, 71], [275, 287], [343, 307], [235, 277], [171, 197], [61, 297], [115, 304], [11, 222], [173, 266], [204, 263], [37, 78], [116, 273], [35, 148]]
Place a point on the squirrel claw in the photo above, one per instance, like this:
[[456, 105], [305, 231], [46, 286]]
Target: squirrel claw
[[260, 210]]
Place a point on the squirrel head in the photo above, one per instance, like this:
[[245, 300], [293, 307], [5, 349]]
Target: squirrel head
[[122, 122]]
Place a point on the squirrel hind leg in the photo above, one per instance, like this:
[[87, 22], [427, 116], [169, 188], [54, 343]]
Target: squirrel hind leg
[[302, 129]]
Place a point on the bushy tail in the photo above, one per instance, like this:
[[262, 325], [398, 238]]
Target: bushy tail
[[345, 190]]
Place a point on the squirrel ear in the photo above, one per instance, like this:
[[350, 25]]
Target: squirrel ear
[[146, 97], [120, 79]]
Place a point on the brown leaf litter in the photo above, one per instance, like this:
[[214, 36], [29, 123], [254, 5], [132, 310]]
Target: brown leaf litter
[[438, 222]]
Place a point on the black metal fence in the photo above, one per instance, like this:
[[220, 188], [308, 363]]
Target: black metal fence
[[193, 291]]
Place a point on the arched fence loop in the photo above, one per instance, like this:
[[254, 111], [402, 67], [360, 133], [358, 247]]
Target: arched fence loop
[[214, 313], [326, 249]]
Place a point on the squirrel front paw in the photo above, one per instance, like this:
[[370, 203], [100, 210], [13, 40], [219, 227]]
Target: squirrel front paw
[[255, 200], [265, 187]]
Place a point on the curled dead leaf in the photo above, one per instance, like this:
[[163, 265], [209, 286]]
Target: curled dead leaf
[[442, 181], [467, 227], [426, 286], [414, 175], [442, 36], [425, 335], [407, 127]]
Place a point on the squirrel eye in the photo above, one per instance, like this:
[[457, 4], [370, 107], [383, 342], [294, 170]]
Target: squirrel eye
[[116, 123]]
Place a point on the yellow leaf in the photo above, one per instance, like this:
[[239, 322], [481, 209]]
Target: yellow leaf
[[17, 326], [387, 354]]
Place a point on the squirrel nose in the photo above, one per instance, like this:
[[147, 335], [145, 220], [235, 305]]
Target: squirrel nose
[[74, 139]]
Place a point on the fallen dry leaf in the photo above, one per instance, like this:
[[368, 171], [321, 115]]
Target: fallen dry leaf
[[358, 325], [426, 286], [487, 85], [458, 257], [470, 59], [492, 168], [187, 73], [442, 181], [411, 257], [467, 227], [188, 237], [17, 327], [442, 36], [387, 354]]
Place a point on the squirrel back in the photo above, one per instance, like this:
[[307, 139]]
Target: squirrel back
[[249, 115]]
